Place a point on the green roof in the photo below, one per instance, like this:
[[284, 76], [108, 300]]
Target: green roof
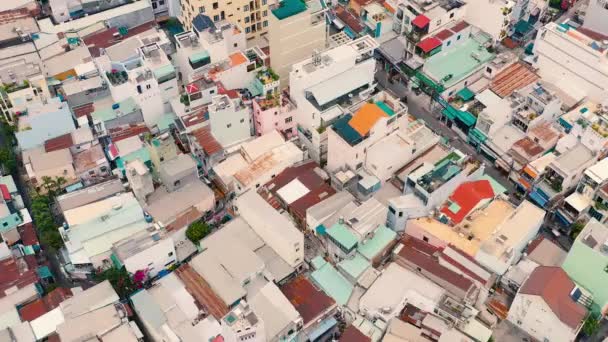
[[385, 108], [199, 56], [44, 272], [354, 267], [466, 118], [450, 112], [477, 135], [332, 283], [318, 262], [383, 236], [164, 71], [166, 121], [9, 222], [106, 114], [288, 8], [142, 154], [458, 62], [454, 207], [342, 235], [465, 94]]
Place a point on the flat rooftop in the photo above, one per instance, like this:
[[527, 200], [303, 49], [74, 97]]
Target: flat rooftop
[[457, 63], [479, 227]]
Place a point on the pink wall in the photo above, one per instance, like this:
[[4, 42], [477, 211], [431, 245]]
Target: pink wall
[[271, 119]]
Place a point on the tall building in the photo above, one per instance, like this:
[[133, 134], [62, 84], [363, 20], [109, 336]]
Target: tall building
[[252, 15], [595, 17], [297, 29]]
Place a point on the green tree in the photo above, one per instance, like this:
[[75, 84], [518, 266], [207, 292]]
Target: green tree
[[591, 325], [7, 158], [51, 238], [577, 228], [119, 278], [197, 231]]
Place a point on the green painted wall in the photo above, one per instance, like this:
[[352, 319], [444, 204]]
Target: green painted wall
[[586, 267]]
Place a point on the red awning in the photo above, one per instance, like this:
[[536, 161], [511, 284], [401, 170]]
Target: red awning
[[429, 44], [421, 21], [6, 195], [191, 88]]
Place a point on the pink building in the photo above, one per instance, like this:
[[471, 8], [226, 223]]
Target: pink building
[[274, 113]]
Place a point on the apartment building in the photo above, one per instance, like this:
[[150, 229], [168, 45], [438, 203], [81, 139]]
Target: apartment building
[[253, 15], [297, 29], [571, 60]]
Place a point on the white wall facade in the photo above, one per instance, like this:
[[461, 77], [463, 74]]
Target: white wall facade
[[230, 120], [153, 259], [533, 315], [595, 17]]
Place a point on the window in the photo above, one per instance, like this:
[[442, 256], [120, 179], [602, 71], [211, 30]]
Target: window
[[289, 119], [246, 19], [458, 37], [265, 13], [489, 70], [228, 125], [425, 239], [215, 5], [177, 183], [170, 254], [265, 23], [247, 30], [148, 86], [222, 15], [103, 169], [242, 120], [391, 210], [216, 18], [264, 2], [246, 8], [92, 172], [401, 214], [236, 44], [449, 42], [257, 185], [451, 15], [212, 91], [201, 9], [438, 22]]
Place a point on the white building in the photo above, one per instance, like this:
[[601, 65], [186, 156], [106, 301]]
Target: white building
[[320, 85], [138, 67], [493, 17], [544, 306], [147, 251], [90, 230], [296, 30], [572, 61], [230, 120], [595, 17], [140, 179], [274, 228], [509, 239]]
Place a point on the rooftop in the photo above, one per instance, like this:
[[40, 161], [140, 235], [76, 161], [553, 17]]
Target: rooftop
[[546, 252], [288, 8], [555, 287], [378, 242], [513, 229], [594, 236], [354, 266], [453, 65], [573, 159], [466, 198], [58, 143], [15, 273], [274, 309], [44, 126], [343, 235], [114, 111], [468, 236], [201, 291], [89, 159], [165, 206], [512, 78], [333, 283]]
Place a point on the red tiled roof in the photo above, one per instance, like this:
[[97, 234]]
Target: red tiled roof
[[15, 273], [45, 304], [349, 19], [105, 39], [202, 292], [429, 263], [592, 34], [59, 143], [206, 141], [6, 195], [459, 26], [28, 234], [195, 117], [444, 34], [184, 219], [467, 196], [514, 77], [429, 44], [530, 147], [33, 310], [421, 21], [462, 267], [315, 196], [84, 110], [308, 300], [554, 286], [127, 131], [352, 334]]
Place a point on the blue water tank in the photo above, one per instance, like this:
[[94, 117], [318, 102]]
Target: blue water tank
[[115, 106], [148, 218]]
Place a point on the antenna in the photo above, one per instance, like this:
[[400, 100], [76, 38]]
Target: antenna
[[316, 58]]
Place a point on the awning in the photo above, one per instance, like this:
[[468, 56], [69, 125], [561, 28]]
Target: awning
[[199, 56], [337, 86], [421, 21], [477, 136], [322, 328], [164, 71], [522, 27], [465, 94], [450, 113], [429, 44], [466, 118], [321, 230], [192, 88]]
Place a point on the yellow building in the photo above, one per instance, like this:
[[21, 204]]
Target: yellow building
[[252, 15]]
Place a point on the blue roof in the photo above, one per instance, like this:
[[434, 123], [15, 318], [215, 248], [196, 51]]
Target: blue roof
[[332, 283], [346, 131], [383, 237], [202, 22], [45, 126]]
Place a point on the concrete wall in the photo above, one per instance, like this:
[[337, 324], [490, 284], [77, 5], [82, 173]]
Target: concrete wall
[[154, 259], [534, 316]]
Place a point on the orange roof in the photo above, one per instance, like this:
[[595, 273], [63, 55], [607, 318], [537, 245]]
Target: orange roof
[[366, 117], [237, 58]]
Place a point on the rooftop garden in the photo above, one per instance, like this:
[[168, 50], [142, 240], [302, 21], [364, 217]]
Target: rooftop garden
[[267, 76], [600, 129], [270, 101], [11, 88], [117, 77]]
